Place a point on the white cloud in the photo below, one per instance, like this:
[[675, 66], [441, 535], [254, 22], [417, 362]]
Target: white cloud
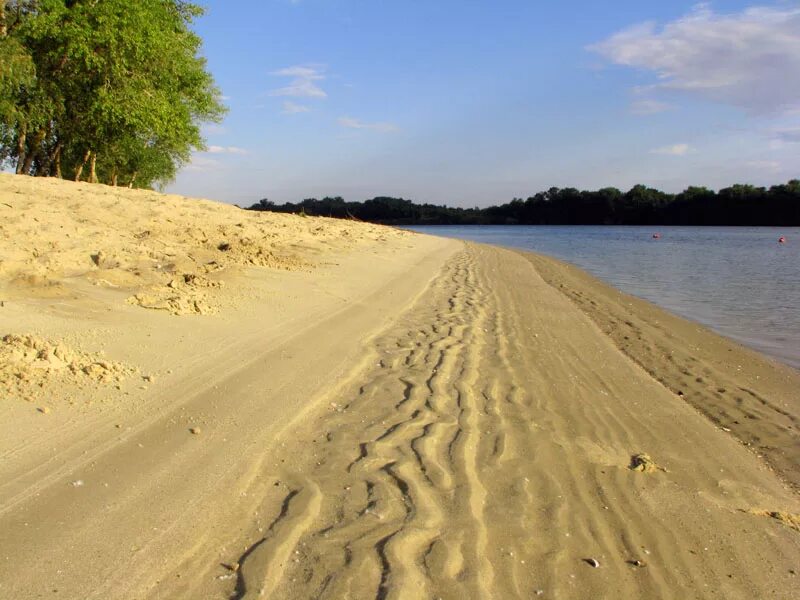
[[649, 107], [749, 59], [291, 108], [226, 150], [674, 150], [302, 83], [352, 123]]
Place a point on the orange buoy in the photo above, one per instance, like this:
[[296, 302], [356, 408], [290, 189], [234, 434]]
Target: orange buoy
[[782, 240]]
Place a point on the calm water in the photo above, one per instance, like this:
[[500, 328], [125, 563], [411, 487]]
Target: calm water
[[736, 280]]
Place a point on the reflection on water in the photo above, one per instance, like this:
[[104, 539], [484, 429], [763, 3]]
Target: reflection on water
[[737, 280]]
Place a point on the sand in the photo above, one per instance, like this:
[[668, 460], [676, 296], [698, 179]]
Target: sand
[[305, 408]]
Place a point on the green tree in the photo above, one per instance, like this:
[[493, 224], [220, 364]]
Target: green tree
[[17, 73], [119, 94]]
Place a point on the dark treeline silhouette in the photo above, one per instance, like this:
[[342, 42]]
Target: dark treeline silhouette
[[736, 205]]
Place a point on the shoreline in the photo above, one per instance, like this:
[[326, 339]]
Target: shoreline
[[770, 341], [702, 377], [395, 415], [756, 346]]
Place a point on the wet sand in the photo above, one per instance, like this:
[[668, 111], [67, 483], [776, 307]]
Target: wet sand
[[393, 416]]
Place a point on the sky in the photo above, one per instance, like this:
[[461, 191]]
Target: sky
[[475, 102]]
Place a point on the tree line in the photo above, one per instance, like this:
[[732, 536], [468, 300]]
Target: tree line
[[739, 204], [108, 91]]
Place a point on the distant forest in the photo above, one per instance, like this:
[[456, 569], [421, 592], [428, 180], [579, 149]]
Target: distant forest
[[736, 205]]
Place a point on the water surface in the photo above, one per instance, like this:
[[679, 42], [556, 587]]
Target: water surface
[[736, 280]]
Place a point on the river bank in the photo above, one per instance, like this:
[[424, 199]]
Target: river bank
[[365, 413]]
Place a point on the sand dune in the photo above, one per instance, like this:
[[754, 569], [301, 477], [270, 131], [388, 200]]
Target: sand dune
[[386, 416], [168, 252]]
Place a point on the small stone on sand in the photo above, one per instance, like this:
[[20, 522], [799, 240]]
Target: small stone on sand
[[644, 464], [592, 562], [637, 563]]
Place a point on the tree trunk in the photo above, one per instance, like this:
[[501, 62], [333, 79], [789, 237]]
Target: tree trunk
[[79, 170], [133, 180], [43, 166], [114, 177], [55, 164], [26, 166], [21, 139], [93, 168], [34, 150]]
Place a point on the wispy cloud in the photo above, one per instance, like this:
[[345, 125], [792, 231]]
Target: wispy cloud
[[303, 82], [352, 123], [291, 108], [673, 150], [213, 129], [649, 107], [770, 166], [787, 136], [749, 59], [202, 164], [226, 150]]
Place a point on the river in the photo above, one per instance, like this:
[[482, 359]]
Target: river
[[739, 281]]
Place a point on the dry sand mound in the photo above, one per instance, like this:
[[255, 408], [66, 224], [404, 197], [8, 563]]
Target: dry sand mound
[[77, 251], [168, 252], [27, 362], [184, 294]]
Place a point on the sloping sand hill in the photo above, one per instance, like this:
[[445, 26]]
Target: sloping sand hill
[[367, 414]]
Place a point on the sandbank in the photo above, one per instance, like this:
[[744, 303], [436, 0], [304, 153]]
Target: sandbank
[[203, 402]]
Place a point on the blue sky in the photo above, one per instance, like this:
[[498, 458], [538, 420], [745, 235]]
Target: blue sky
[[472, 103]]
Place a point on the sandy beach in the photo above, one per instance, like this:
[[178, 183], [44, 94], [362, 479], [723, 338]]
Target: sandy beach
[[206, 402]]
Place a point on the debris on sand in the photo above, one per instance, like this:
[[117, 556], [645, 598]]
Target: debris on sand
[[644, 464], [637, 563], [28, 361], [592, 562], [174, 304], [789, 519]]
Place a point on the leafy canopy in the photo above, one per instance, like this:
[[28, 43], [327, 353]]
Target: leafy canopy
[[116, 84]]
